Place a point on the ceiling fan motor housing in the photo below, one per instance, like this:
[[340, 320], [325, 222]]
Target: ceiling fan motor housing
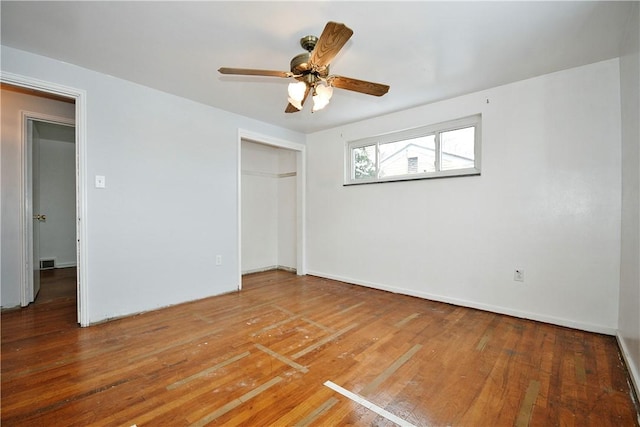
[[301, 64]]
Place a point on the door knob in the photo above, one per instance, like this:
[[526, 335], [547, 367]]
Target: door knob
[[41, 218]]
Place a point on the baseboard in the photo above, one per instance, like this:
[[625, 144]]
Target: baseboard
[[472, 304], [150, 310], [269, 268], [631, 367], [65, 264]]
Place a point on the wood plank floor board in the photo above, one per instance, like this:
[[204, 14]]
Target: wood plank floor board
[[258, 411], [167, 367], [392, 395], [202, 394], [312, 408]]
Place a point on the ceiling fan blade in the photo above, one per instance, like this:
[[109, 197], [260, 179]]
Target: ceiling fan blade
[[369, 88], [253, 72], [333, 38], [291, 109]]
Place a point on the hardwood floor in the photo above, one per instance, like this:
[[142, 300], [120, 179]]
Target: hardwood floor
[[287, 351], [59, 283]]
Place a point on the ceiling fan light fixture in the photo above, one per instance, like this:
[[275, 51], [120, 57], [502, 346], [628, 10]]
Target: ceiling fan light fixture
[[311, 70], [296, 103], [321, 96], [296, 93]]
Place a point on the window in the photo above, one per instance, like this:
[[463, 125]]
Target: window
[[445, 149]]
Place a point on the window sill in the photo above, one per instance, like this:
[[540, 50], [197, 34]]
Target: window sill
[[444, 174]]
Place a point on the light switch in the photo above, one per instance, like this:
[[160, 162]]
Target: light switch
[[100, 181]]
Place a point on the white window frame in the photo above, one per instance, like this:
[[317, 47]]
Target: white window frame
[[436, 129]]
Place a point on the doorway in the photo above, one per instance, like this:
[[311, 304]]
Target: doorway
[[271, 193], [22, 260], [268, 208], [52, 198]]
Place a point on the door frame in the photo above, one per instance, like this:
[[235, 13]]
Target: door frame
[[27, 291], [301, 161], [80, 97]]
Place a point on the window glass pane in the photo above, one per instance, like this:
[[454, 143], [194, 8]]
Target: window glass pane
[[409, 156], [457, 148], [363, 160]]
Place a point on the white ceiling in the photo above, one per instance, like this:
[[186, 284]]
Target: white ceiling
[[426, 51]]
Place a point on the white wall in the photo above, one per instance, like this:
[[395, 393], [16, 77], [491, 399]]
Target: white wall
[[259, 207], [548, 201], [629, 317], [268, 207], [58, 201], [170, 202], [287, 199], [10, 155]]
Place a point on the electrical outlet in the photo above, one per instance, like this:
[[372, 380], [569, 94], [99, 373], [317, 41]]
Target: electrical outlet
[[218, 259], [518, 275]]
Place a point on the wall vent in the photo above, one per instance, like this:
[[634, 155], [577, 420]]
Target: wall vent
[[47, 264]]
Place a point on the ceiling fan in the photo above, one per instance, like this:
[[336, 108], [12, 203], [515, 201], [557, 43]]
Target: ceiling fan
[[311, 70]]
